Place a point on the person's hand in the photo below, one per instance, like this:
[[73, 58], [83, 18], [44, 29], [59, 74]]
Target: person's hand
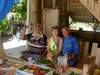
[[49, 56], [70, 56]]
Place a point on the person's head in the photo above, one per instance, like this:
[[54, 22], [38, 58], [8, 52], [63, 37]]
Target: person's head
[[66, 31], [54, 31], [37, 28]]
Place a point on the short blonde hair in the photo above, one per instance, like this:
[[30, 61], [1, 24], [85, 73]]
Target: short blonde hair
[[39, 26]]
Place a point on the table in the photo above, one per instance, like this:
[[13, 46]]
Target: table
[[70, 69], [9, 67]]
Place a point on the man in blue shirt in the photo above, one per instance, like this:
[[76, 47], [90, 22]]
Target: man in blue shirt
[[70, 47]]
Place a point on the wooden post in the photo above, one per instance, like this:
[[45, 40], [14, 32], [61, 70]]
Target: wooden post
[[28, 11], [85, 69], [54, 3], [33, 11], [2, 53], [98, 57], [63, 15], [42, 13], [39, 11], [86, 49]]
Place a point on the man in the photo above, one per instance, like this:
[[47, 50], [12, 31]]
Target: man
[[37, 44], [70, 46]]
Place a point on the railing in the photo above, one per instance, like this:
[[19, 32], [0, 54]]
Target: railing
[[93, 6]]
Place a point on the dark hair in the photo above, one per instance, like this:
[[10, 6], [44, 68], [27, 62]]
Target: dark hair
[[54, 27], [59, 31]]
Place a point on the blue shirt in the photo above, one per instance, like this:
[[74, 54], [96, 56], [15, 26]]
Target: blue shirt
[[70, 45]]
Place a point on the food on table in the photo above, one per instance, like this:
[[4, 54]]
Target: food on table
[[73, 73], [35, 70], [23, 68], [40, 73], [46, 62]]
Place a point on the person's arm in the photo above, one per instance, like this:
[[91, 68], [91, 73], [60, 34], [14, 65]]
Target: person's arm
[[43, 40], [48, 45], [75, 48], [60, 45], [28, 36], [49, 54]]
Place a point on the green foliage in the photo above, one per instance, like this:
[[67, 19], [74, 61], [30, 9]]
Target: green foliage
[[4, 27], [44, 61], [73, 73], [20, 11]]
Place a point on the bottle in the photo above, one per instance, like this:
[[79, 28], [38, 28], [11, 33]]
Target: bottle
[[65, 61], [18, 34], [30, 61], [1, 60]]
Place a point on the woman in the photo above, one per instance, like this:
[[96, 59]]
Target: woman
[[54, 44]]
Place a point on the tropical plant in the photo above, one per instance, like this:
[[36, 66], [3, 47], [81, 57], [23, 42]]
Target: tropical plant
[[20, 11], [4, 27], [19, 14]]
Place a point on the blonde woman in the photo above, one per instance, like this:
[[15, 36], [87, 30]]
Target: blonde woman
[[54, 44]]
